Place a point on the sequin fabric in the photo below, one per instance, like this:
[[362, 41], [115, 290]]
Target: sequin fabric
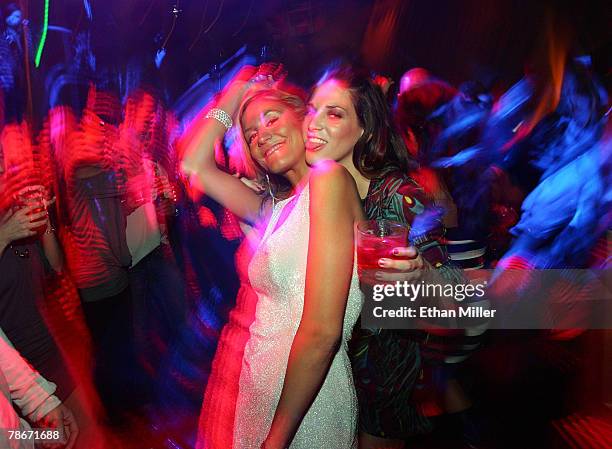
[[278, 275]]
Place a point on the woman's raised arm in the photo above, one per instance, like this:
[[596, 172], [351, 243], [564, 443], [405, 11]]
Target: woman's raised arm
[[198, 149]]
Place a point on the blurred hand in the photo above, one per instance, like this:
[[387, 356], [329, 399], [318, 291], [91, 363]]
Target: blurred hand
[[234, 91], [21, 224], [383, 82], [159, 57], [164, 188], [241, 79], [60, 418], [165, 207], [269, 73], [250, 78]]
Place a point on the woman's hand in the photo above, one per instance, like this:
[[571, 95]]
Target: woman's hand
[[411, 267], [268, 72], [62, 419], [242, 77], [19, 225], [249, 79], [233, 93]]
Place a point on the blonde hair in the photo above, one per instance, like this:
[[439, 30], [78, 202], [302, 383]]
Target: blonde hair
[[293, 98]]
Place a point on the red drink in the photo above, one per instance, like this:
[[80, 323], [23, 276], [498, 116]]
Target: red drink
[[375, 240]]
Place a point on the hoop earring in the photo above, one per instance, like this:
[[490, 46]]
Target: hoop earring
[[270, 190]]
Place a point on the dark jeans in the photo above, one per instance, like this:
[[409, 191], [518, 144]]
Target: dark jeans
[[115, 371], [159, 310]]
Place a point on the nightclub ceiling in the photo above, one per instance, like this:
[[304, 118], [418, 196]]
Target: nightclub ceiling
[[457, 40]]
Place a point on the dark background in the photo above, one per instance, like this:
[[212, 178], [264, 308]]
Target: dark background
[[489, 40]]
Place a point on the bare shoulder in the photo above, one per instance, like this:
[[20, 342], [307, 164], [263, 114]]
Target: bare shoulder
[[329, 175], [333, 191]]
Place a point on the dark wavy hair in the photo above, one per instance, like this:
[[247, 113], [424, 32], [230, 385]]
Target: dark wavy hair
[[380, 149]]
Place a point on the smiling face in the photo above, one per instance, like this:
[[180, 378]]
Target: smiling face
[[272, 131], [331, 127]]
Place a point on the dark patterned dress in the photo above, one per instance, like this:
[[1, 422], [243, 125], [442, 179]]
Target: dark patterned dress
[[387, 363]]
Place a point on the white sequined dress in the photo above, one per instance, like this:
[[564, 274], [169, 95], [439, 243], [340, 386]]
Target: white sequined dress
[[278, 274]]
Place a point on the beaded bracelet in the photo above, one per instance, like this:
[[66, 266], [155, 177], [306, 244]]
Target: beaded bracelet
[[221, 116]]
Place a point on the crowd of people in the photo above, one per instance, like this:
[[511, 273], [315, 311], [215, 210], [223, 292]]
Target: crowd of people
[[189, 279]]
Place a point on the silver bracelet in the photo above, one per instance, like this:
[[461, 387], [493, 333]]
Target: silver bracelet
[[221, 116]]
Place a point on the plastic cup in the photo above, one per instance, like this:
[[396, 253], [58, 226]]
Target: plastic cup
[[33, 196], [375, 239]]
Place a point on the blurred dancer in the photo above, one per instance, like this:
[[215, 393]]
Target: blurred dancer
[[157, 285], [93, 161]]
